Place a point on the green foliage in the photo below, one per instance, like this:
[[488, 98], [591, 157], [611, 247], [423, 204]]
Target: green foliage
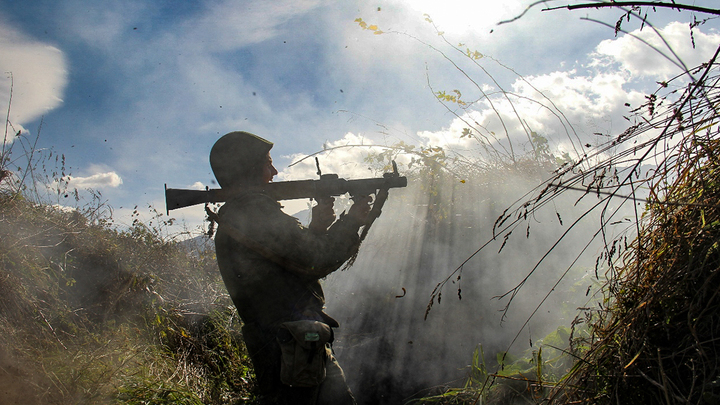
[[158, 393], [451, 98], [370, 27], [528, 378]]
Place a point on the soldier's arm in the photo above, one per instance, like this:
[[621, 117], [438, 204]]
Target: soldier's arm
[[280, 237]]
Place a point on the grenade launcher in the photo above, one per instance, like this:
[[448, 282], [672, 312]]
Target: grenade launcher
[[327, 185]]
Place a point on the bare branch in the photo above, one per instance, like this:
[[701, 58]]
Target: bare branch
[[602, 4], [674, 5]]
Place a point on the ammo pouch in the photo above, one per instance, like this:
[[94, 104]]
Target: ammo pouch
[[305, 348]]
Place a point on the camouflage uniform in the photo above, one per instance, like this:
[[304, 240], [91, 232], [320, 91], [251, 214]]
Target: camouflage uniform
[[271, 266]]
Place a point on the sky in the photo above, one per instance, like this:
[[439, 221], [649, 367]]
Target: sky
[[135, 92]]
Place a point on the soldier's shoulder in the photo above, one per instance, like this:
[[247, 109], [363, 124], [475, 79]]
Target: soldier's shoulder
[[250, 201]]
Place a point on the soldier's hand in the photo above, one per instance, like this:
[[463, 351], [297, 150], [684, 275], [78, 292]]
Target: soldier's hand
[[360, 208], [323, 214]]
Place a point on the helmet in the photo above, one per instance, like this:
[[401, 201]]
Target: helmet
[[236, 157]]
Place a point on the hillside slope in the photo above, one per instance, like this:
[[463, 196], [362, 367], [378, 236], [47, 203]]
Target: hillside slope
[[93, 315]]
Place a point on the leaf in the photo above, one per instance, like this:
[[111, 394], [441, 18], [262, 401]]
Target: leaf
[[507, 236]]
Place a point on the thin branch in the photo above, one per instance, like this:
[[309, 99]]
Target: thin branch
[[603, 4], [467, 76], [674, 5], [339, 147], [521, 15], [399, 150], [465, 121], [632, 197]]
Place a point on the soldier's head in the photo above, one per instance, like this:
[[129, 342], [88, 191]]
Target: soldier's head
[[242, 159]]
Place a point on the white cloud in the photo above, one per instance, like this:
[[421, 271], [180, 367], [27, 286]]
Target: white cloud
[[570, 108], [96, 181], [344, 157], [64, 208], [197, 186], [641, 60], [583, 95], [39, 76], [452, 136], [565, 107]]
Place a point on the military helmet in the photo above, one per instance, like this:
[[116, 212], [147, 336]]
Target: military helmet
[[236, 157]]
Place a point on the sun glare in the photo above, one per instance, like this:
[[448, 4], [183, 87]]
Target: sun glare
[[466, 16]]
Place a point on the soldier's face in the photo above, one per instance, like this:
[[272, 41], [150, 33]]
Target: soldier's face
[[269, 171]]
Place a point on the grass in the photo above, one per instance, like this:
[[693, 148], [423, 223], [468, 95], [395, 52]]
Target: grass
[[656, 340], [96, 315]]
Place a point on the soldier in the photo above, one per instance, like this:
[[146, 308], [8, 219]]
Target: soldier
[[271, 266]]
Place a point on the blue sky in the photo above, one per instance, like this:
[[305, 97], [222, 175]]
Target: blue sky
[[135, 92]]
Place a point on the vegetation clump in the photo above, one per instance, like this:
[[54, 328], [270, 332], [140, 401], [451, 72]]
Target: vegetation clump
[[93, 314], [656, 341]]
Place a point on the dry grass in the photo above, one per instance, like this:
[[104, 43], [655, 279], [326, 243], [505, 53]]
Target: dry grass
[[654, 338], [657, 340], [95, 315]]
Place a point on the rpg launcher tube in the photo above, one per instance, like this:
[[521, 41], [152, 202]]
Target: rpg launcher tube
[[328, 185]]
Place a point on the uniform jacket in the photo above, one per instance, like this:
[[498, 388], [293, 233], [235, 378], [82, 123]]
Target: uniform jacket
[[271, 264]]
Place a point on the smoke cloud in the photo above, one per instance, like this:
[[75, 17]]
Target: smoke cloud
[[389, 350]]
